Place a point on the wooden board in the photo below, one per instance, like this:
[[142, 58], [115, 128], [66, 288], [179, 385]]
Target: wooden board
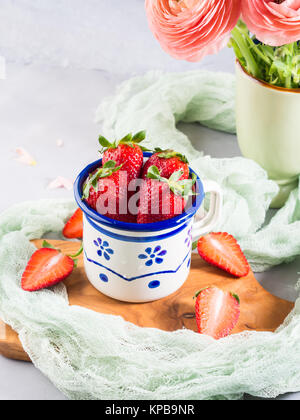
[[259, 309]]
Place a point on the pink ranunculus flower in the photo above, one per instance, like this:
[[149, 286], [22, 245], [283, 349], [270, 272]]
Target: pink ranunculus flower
[[191, 29], [274, 22]]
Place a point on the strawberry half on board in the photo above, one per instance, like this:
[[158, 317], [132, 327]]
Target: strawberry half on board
[[126, 152], [167, 162], [162, 198], [74, 227], [217, 312], [47, 267], [106, 191], [223, 251]]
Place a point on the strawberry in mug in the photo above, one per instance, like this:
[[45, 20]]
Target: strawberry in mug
[[143, 253]]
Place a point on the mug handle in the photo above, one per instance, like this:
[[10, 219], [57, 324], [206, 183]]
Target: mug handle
[[213, 216]]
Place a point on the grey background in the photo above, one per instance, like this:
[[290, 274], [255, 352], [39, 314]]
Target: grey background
[[63, 57]]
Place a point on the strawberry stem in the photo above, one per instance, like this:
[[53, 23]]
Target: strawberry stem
[[200, 291], [79, 252], [169, 154], [47, 244], [130, 140], [182, 188], [92, 181], [236, 297]]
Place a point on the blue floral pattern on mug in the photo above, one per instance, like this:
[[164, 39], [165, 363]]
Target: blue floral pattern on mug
[[188, 240], [104, 249], [153, 256]]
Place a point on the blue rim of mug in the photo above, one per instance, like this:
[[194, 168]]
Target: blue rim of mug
[[135, 227]]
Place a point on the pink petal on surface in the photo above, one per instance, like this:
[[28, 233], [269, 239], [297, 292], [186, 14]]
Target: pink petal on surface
[[60, 182], [25, 157], [59, 143]]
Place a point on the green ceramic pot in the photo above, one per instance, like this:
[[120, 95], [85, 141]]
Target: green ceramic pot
[[268, 130]]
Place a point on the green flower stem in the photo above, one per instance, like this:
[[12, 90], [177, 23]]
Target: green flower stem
[[242, 44], [288, 81], [263, 56], [278, 66]]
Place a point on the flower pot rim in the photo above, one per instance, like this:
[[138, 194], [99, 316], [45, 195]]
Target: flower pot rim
[[265, 84]]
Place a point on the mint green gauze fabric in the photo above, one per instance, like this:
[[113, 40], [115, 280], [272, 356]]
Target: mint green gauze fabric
[[157, 102], [94, 356]]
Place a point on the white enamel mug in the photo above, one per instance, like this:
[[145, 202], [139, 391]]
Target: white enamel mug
[[143, 262]]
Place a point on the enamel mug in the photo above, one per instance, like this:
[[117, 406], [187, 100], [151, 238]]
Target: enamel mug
[[143, 262]]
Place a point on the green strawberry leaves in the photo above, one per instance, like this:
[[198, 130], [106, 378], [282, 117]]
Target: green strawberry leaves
[[130, 140], [235, 296], [175, 177], [111, 164], [200, 291], [104, 142], [169, 154], [183, 187], [107, 170], [139, 137], [178, 187], [47, 244], [126, 140], [78, 253], [145, 149], [194, 245], [153, 173]]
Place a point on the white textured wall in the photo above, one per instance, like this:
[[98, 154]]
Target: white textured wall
[[92, 34]]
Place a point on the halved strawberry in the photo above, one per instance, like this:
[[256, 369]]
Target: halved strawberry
[[74, 227], [217, 312], [46, 267], [223, 251]]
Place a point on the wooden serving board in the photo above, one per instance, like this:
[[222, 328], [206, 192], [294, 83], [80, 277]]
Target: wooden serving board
[[260, 310]]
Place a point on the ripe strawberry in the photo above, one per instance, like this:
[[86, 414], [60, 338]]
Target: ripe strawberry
[[46, 268], [223, 251], [105, 191], [167, 162], [161, 198], [126, 152], [217, 312], [74, 227]]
